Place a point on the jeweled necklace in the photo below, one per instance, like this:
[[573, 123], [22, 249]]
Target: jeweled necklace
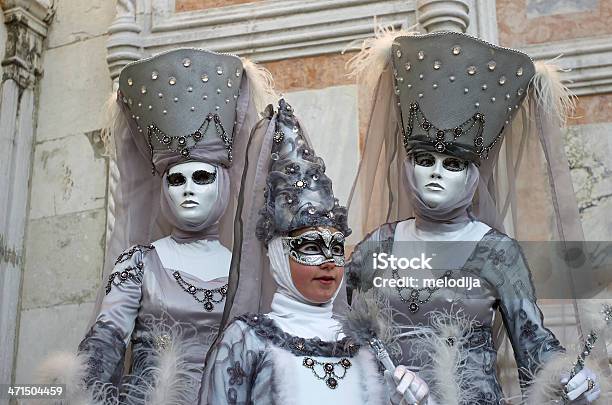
[[208, 296], [330, 376], [414, 300]]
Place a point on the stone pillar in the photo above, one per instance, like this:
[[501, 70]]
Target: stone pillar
[[124, 38], [443, 15], [26, 24]]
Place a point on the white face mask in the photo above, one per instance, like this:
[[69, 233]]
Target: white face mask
[[193, 190], [440, 179]]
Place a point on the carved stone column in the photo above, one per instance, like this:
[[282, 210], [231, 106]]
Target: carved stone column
[[443, 15], [124, 38], [26, 24]]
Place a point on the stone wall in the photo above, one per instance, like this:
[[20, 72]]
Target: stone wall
[[67, 218]]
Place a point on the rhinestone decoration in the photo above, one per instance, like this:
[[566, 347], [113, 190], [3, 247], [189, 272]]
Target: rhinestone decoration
[[150, 107], [421, 76], [130, 82], [154, 75], [165, 112], [229, 82], [143, 90], [398, 53], [407, 66], [330, 377], [219, 70], [456, 50], [477, 104], [218, 91], [466, 90], [400, 79], [471, 70], [435, 85], [484, 86], [139, 104], [420, 95], [312, 211], [507, 96], [274, 156], [160, 95], [437, 65], [172, 81], [491, 65], [186, 62], [204, 78], [502, 80], [207, 297], [519, 72], [192, 108], [421, 55], [520, 91], [492, 99], [237, 72], [190, 89], [175, 99], [451, 78]]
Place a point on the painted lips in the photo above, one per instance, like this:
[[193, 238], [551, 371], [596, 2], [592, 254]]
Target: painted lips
[[189, 204], [434, 186]]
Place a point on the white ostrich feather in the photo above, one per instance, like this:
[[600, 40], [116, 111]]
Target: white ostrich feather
[[261, 84], [451, 379], [70, 370], [549, 91], [375, 54], [168, 381]]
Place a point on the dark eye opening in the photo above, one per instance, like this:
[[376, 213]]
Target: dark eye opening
[[310, 248], [337, 249], [454, 164], [424, 159], [176, 179], [203, 177]]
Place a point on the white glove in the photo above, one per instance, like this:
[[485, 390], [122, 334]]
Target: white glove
[[577, 389], [405, 387]]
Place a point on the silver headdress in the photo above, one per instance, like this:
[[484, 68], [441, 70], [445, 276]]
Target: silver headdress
[[457, 93], [183, 104], [298, 192]]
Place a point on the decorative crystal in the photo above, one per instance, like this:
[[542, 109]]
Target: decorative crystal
[[421, 55], [143, 90], [219, 70], [192, 108], [154, 75], [507, 96], [204, 97], [165, 112], [471, 70], [218, 91], [175, 99], [451, 78], [484, 86], [435, 85], [150, 107], [139, 104], [400, 79], [227, 101], [397, 91], [130, 82], [237, 72], [502, 80], [274, 156], [160, 95], [477, 104], [312, 210], [420, 95], [204, 78], [465, 91], [492, 99], [407, 66], [437, 64], [229, 82], [190, 89], [186, 62], [172, 81], [398, 53], [421, 76], [520, 91], [491, 65], [519, 72], [456, 50]]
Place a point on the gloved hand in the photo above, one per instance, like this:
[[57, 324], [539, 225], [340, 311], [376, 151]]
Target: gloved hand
[[405, 387], [583, 388]]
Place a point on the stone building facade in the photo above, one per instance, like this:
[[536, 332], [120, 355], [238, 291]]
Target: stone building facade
[[59, 62]]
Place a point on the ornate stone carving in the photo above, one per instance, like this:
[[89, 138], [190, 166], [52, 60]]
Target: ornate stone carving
[[26, 25], [124, 38], [443, 15]]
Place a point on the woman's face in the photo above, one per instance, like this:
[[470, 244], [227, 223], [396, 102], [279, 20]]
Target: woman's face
[[316, 260], [193, 190], [439, 178]]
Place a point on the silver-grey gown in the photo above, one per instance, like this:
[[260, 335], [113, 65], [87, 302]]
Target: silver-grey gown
[[506, 285], [147, 304]]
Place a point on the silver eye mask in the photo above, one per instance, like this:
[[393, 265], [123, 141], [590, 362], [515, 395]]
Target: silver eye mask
[[313, 248]]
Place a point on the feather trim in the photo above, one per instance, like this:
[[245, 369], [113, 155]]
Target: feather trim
[[452, 380], [261, 84], [549, 92], [169, 380], [282, 392], [373, 385], [70, 370], [375, 54]]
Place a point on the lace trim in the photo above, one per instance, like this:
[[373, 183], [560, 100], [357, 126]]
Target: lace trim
[[128, 255], [266, 328], [119, 277]]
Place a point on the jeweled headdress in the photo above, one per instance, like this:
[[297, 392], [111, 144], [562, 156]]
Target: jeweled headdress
[[183, 104], [456, 93], [298, 192]]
